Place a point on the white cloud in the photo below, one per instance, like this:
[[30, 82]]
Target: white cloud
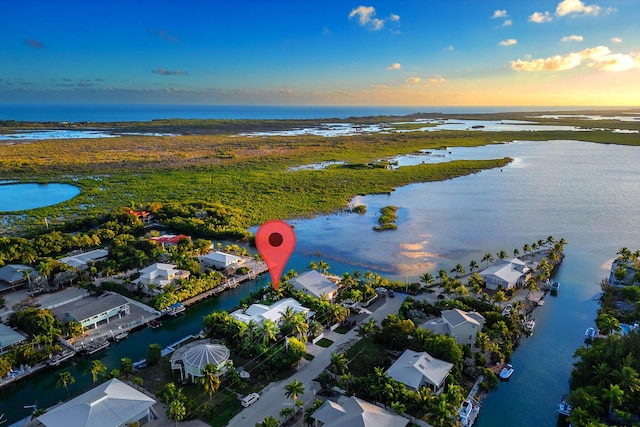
[[599, 57], [507, 23], [499, 14], [567, 7], [540, 17], [378, 87], [616, 40], [572, 38], [413, 80], [393, 17], [366, 16], [437, 79], [326, 31], [394, 66], [508, 42], [450, 47]]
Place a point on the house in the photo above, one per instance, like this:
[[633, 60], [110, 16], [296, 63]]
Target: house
[[93, 311], [461, 325], [418, 370], [81, 261], [159, 275], [506, 274], [354, 412], [9, 338], [260, 312], [111, 404], [315, 284], [143, 216], [168, 240], [220, 260], [14, 275], [192, 358]]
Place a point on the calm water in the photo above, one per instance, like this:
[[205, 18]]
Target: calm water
[[583, 192], [132, 112], [18, 197]]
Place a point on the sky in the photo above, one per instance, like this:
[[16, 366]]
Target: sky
[[328, 52]]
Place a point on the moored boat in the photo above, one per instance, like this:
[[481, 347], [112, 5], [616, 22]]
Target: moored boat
[[58, 358], [468, 412], [506, 371], [590, 333], [121, 336], [153, 324], [564, 408], [96, 346], [528, 327], [554, 287], [175, 309]]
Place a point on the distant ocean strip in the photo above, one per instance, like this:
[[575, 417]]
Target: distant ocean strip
[[147, 112]]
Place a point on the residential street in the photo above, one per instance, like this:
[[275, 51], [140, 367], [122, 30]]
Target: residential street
[[272, 398]]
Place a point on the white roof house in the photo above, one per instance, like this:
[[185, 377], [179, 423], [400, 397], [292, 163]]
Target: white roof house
[[111, 404], [315, 284], [354, 412], [91, 311], [220, 260], [417, 370], [461, 325], [260, 312], [81, 261], [9, 338], [505, 273], [191, 359], [161, 275]]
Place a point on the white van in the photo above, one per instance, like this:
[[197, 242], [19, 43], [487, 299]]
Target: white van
[[249, 399]]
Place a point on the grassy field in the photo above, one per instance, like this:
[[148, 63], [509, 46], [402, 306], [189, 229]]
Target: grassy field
[[212, 162]]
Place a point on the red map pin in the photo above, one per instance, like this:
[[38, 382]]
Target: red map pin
[[275, 240]]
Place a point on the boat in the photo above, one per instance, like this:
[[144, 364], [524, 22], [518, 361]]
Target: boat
[[175, 309], [507, 371], [58, 358], [590, 333], [153, 324], [528, 327], [96, 346], [121, 336], [564, 408], [468, 412], [554, 287]]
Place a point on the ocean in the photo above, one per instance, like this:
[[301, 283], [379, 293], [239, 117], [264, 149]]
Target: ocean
[[147, 112]]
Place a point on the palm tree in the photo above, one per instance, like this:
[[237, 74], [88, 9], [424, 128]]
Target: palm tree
[[287, 413], [293, 389], [177, 411], [322, 265], [502, 255], [98, 369], [64, 379], [488, 258], [602, 374], [473, 266], [210, 380], [338, 364], [628, 379], [458, 269], [427, 279], [268, 422], [516, 253], [613, 395], [526, 248], [269, 331], [499, 297], [442, 275]]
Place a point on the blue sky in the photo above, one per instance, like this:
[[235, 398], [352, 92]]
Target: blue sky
[[423, 52]]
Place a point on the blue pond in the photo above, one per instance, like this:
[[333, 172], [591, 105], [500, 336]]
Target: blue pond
[[19, 197]]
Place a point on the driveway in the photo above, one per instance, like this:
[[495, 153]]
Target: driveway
[[272, 398]]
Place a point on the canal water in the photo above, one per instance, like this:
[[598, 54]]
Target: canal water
[[584, 192]]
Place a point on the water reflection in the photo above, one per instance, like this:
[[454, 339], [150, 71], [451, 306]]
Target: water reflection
[[18, 197]]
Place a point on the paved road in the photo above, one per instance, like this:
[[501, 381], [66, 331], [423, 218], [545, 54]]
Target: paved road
[[272, 399]]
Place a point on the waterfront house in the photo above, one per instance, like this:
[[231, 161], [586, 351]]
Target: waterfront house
[[315, 284], [168, 240], [220, 260], [82, 260], [354, 412], [9, 338], [192, 358], [155, 277], [111, 404], [15, 275], [506, 274], [260, 312], [461, 325], [418, 370], [92, 312]]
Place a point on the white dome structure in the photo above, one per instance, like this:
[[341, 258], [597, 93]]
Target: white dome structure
[[192, 359]]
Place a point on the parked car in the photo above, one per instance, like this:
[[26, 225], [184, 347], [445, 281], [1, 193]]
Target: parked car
[[390, 294], [249, 399]]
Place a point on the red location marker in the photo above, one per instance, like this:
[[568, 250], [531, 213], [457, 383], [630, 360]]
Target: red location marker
[[275, 240]]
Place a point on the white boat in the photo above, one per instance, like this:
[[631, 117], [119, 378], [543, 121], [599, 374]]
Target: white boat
[[528, 327], [564, 408], [554, 287], [175, 309], [121, 336], [590, 333], [58, 358], [95, 346], [468, 412], [507, 371]]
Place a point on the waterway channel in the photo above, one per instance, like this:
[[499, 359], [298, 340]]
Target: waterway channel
[[584, 192]]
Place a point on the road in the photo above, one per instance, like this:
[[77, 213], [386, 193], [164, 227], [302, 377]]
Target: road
[[272, 398]]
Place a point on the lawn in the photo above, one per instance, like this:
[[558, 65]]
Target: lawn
[[366, 355]]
